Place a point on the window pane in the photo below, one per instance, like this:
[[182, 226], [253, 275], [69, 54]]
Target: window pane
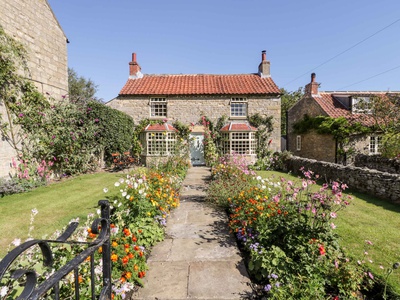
[[238, 109]]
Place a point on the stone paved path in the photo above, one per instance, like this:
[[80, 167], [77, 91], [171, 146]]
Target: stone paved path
[[199, 258]]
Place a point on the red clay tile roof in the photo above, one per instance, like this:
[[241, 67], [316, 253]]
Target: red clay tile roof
[[238, 127], [160, 127], [201, 84], [333, 108]]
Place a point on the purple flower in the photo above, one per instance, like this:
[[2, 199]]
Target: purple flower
[[274, 276], [96, 120], [267, 288], [21, 115]]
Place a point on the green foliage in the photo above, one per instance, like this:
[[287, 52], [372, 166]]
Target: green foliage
[[264, 129], [391, 145], [211, 139], [115, 129], [274, 161], [80, 89], [288, 99]]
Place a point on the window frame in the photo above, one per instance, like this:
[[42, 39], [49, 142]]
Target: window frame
[[236, 111], [239, 142], [298, 143], [158, 143], [375, 144], [158, 107]]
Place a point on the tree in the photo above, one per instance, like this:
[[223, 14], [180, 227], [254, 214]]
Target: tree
[[288, 99], [385, 114], [81, 89]]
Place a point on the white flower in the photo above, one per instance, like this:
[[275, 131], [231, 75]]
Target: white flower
[[117, 183], [124, 194], [140, 181], [119, 204], [263, 187], [121, 180], [135, 185], [258, 178], [141, 191], [3, 291], [105, 190], [128, 196], [34, 211], [16, 242]]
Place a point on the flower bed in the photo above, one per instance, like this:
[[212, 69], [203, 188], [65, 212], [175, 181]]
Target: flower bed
[[140, 207], [287, 232]]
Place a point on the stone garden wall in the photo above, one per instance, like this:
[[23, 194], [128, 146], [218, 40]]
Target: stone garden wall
[[378, 163], [373, 182]]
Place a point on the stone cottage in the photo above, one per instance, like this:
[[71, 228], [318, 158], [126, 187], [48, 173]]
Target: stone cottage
[[186, 97], [33, 23], [324, 147]]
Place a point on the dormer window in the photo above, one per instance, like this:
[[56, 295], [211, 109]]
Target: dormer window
[[239, 108], [361, 105]]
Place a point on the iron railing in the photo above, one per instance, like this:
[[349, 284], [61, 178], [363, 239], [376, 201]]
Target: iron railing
[[34, 290]]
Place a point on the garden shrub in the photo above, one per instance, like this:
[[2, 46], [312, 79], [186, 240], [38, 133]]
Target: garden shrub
[[115, 129]]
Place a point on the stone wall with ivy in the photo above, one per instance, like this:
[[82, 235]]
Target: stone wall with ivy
[[373, 182], [378, 163]]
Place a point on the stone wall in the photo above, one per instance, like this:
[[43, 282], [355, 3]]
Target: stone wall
[[33, 23], [380, 184], [188, 109], [378, 163]]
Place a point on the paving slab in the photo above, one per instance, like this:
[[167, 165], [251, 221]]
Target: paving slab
[[209, 280]]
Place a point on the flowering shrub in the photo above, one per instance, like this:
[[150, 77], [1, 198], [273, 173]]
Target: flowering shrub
[[230, 176]]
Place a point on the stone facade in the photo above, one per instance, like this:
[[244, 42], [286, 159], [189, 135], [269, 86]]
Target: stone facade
[[380, 184], [188, 109], [33, 23], [313, 145]]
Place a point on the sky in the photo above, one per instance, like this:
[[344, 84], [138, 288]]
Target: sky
[[351, 45]]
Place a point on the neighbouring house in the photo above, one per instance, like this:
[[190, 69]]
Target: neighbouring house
[[325, 147], [33, 23], [186, 98]]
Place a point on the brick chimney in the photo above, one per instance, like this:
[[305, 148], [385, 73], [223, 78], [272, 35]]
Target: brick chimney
[[134, 68], [311, 89], [264, 67]]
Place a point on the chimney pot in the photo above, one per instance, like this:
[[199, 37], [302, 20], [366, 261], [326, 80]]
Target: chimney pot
[[133, 57], [313, 77], [264, 55]]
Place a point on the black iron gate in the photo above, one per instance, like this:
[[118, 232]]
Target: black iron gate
[[34, 290]]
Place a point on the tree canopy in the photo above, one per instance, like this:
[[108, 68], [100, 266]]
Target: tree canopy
[[81, 89]]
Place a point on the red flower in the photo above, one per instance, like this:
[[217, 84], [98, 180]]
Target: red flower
[[321, 250]]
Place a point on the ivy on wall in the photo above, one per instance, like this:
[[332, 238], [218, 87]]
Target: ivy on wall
[[340, 128]]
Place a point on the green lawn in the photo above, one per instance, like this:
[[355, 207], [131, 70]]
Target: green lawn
[[367, 218], [56, 203]]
